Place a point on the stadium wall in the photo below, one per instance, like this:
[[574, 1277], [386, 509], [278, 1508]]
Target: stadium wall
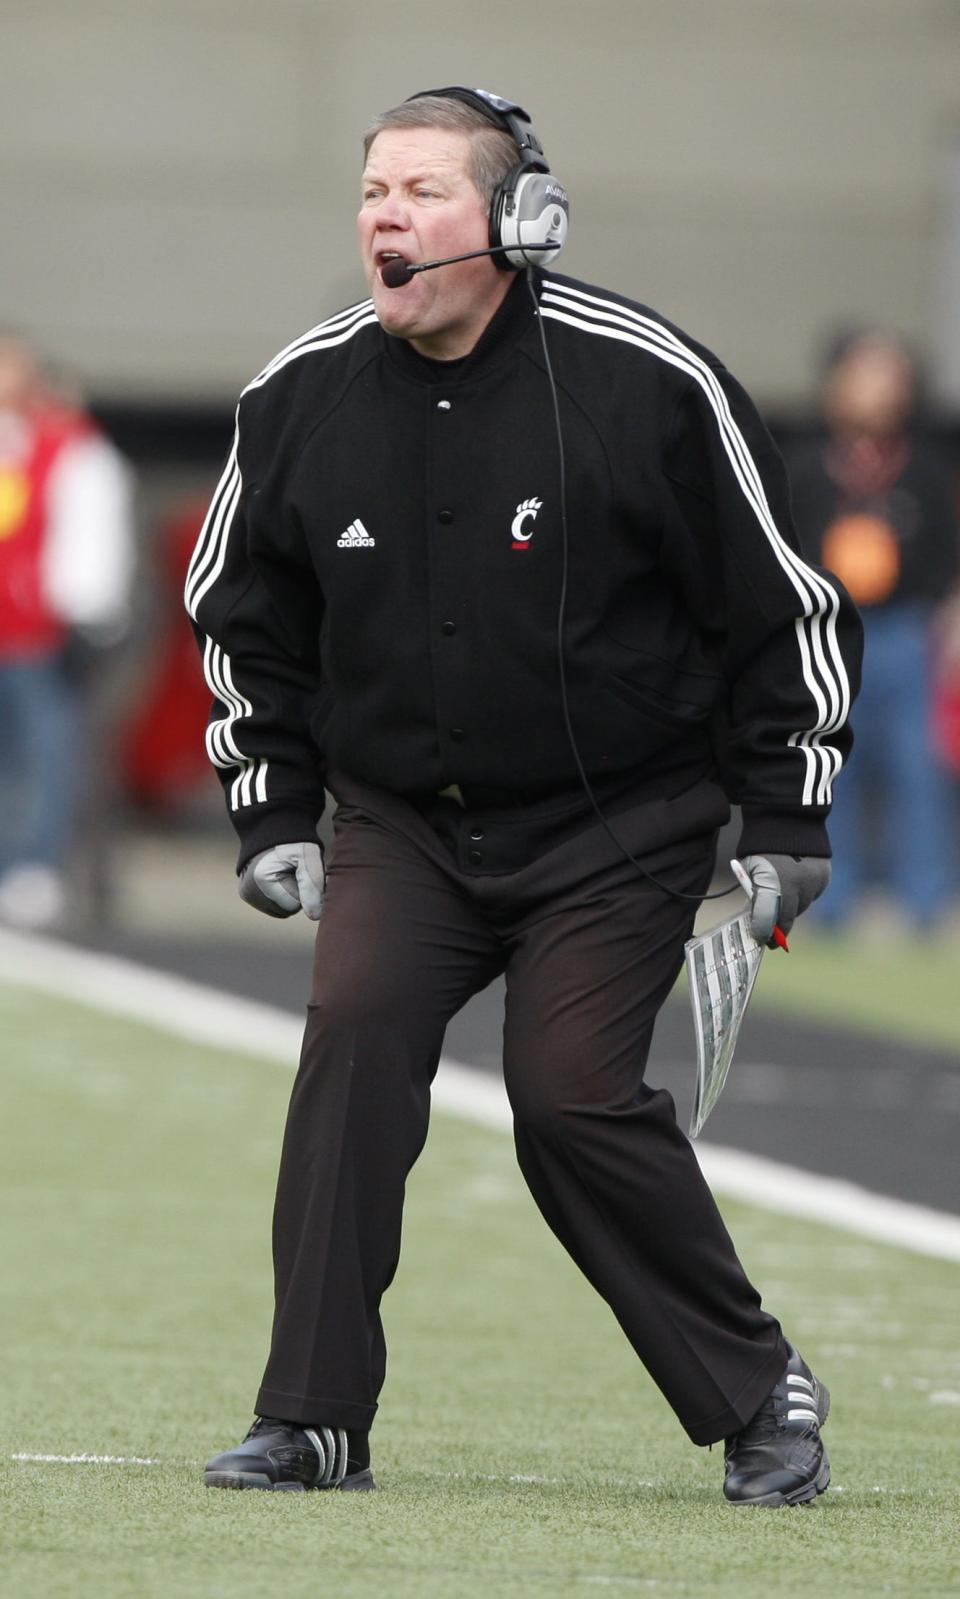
[[178, 177]]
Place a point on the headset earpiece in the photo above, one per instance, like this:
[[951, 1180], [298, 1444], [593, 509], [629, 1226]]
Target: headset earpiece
[[530, 207]]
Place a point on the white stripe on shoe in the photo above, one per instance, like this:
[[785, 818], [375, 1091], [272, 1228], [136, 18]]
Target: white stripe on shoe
[[324, 1448]]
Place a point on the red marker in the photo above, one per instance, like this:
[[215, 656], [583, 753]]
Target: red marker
[[780, 939]]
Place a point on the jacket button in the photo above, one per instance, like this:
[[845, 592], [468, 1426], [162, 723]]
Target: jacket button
[[456, 733], [476, 835], [443, 405], [474, 857], [449, 628], [446, 517]]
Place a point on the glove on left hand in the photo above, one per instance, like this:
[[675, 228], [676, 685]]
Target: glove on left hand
[[783, 887]]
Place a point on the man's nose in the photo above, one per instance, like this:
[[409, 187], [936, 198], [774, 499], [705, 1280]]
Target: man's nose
[[392, 213]]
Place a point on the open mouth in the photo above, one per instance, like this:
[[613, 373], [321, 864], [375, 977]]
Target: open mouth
[[383, 256]]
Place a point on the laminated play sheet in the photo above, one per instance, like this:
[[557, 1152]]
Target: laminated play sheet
[[722, 967]]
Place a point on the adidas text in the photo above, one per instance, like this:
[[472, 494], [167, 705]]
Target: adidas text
[[355, 537]]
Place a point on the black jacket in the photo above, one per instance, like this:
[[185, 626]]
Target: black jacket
[[377, 584]]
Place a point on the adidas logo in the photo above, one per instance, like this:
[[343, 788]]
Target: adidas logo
[[355, 537]]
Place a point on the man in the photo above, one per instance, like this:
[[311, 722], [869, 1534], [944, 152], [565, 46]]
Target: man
[[405, 526], [66, 566], [875, 502]]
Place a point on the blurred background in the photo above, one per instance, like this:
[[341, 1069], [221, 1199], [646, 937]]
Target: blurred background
[[178, 184]]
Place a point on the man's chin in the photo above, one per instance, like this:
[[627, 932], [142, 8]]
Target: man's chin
[[393, 315]]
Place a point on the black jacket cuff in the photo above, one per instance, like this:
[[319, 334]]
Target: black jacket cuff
[[782, 833], [277, 825]]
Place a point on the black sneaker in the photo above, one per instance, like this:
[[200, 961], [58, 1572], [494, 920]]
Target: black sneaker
[[286, 1456], [778, 1457]]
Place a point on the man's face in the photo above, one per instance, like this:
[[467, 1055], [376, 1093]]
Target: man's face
[[420, 203], [871, 389]]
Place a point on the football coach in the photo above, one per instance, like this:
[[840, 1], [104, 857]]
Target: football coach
[[504, 562]]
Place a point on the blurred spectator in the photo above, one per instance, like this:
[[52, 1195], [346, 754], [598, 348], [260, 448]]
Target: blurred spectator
[[163, 762], [66, 554], [874, 503]]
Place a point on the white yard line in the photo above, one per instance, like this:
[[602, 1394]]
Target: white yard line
[[204, 1015], [88, 1460]]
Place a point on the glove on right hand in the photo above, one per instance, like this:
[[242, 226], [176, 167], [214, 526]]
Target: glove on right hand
[[284, 879], [783, 887]]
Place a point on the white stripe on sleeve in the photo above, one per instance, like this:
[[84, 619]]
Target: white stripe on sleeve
[[821, 662]]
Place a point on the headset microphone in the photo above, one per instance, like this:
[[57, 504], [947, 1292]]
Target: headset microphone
[[398, 272]]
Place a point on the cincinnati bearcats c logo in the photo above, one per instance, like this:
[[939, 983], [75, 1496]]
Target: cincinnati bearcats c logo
[[526, 510]]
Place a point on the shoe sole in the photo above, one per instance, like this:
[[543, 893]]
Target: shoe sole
[[799, 1496], [359, 1482], [807, 1490]]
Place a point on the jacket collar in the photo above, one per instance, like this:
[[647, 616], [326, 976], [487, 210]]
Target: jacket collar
[[512, 318]]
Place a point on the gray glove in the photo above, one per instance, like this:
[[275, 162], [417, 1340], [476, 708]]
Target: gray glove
[[783, 887], [287, 878]]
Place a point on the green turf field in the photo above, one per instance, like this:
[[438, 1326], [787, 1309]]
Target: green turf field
[[520, 1451], [906, 989]]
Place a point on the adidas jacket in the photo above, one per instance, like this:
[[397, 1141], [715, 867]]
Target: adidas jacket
[[377, 582]]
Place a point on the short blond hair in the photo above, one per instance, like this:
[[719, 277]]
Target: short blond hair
[[493, 151]]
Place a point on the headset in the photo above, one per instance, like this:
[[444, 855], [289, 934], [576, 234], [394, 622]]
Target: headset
[[530, 207], [530, 211]]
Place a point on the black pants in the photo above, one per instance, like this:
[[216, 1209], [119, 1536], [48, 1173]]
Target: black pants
[[420, 914]]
